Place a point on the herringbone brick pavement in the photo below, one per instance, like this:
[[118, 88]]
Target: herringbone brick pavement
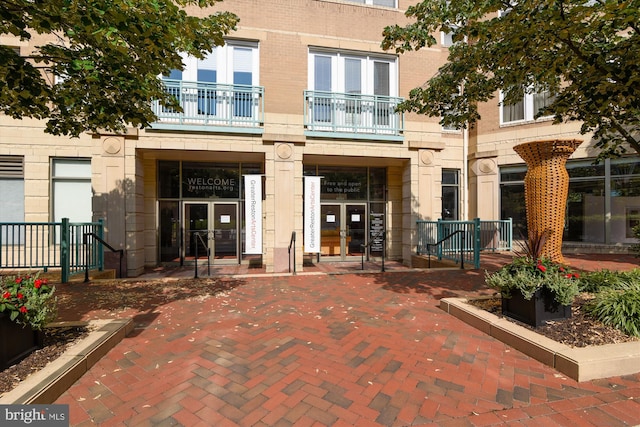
[[319, 350]]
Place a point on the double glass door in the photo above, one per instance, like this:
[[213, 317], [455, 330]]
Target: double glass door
[[211, 231], [343, 230]]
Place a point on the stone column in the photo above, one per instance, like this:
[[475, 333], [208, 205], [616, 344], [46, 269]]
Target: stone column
[[484, 186], [284, 209]]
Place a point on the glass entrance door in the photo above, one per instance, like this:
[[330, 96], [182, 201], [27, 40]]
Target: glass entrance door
[[225, 232], [343, 230], [196, 231], [211, 230], [356, 222]]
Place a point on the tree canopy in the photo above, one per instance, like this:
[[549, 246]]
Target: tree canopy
[[98, 63], [586, 53]]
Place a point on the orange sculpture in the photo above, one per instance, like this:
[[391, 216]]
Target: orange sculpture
[[546, 187]]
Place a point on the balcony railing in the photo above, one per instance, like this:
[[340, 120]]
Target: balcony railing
[[212, 107], [354, 115]]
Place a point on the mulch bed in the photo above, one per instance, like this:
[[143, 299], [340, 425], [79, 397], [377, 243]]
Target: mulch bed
[[56, 341], [580, 330]]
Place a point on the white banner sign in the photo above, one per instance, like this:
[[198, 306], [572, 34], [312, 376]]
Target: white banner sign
[[253, 214], [312, 214]]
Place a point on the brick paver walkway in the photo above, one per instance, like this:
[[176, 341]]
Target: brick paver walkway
[[343, 350]]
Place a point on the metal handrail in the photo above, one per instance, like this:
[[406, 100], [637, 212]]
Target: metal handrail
[[439, 243], [363, 246], [198, 235], [85, 242], [292, 243]]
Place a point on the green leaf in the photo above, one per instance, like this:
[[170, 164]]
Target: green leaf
[[113, 53], [586, 53]]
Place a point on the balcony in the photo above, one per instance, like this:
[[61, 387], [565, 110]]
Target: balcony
[[342, 115], [212, 107]]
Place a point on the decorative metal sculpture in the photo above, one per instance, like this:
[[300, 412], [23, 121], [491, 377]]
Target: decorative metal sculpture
[[546, 187]]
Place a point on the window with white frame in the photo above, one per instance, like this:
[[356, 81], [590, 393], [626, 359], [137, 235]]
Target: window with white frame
[[352, 73], [71, 189], [525, 109], [352, 90], [12, 191], [236, 63], [446, 39]]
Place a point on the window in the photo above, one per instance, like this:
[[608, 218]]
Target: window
[[12, 191], [452, 127], [526, 109], [235, 63], [446, 39], [585, 210], [450, 194], [352, 92], [351, 73], [71, 189]]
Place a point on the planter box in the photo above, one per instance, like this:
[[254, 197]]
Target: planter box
[[16, 341], [536, 311]]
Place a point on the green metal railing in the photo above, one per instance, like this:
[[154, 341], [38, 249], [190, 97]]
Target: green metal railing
[[352, 113], [211, 104], [479, 235], [45, 245]]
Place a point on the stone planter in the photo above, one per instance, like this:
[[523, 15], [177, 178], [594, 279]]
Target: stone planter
[[536, 311], [16, 341]]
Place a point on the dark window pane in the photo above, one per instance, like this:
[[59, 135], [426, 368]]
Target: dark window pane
[[207, 180], [585, 212], [625, 167], [343, 183], [512, 205], [449, 177], [377, 183], [168, 179], [450, 203], [512, 175], [582, 170]]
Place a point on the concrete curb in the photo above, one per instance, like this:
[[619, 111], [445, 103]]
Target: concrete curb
[[579, 363], [46, 385]]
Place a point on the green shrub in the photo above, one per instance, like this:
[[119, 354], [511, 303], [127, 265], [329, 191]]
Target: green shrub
[[619, 308], [527, 275], [636, 247], [597, 281], [27, 300]]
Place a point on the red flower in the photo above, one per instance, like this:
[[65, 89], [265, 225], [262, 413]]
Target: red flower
[[6, 295], [561, 269], [576, 275], [542, 268], [569, 276], [18, 280], [23, 309], [37, 283], [20, 295]]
